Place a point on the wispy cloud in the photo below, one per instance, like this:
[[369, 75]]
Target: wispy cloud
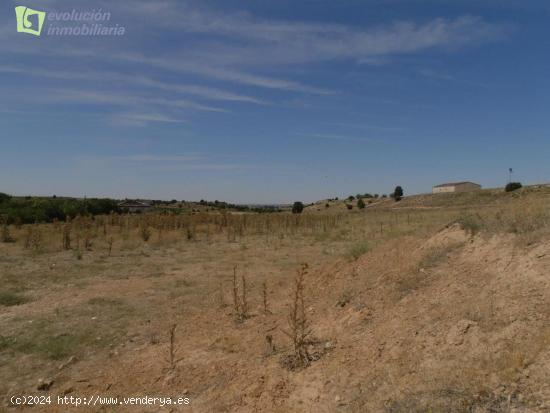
[[209, 70], [124, 99], [242, 48], [148, 117], [299, 42], [114, 77], [159, 158], [204, 167], [362, 126], [335, 137], [202, 91], [447, 77], [323, 40]]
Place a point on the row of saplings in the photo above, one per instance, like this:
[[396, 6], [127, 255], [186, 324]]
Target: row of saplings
[[298, 329]]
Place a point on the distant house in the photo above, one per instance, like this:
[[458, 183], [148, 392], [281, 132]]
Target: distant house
[[455, 187], [134, 206]]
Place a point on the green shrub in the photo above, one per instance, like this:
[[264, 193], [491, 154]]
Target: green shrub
[[359, 249], [512, 186], [298, 207], [472, 223], [10, 299], [361, 203], [397, 193], [4, 197]]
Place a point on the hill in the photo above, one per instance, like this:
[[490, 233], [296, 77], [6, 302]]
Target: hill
[[474, 199]]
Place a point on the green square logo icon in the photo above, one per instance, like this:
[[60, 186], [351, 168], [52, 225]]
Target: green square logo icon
[[29, 21]]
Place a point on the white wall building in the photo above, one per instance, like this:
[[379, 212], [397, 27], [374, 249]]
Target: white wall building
[[455, 187]]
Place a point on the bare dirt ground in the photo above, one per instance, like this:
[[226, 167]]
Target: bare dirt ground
[[409, 312]]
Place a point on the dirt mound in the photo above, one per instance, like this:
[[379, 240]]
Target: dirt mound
[[452, 235]]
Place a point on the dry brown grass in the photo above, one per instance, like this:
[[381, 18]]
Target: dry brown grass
[[52, 275]]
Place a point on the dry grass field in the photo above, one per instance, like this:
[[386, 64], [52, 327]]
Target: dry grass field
[[433, 304]]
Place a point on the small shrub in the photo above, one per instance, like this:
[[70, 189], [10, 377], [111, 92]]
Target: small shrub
[[299, 328], [10, 299], [5, 235], [110, 242], [472, 223], [298, 207], [344, 299], [34, 239], [67, 237], [240, 303], [172, 349], [410, 282], [512, 186], [361, 203], [145, 233], [437, 255], [62, 346], [359, 249]]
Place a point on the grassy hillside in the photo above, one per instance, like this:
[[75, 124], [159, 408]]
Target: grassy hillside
[[474, 199]]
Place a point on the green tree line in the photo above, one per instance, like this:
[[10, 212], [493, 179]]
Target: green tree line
[[28, 210]]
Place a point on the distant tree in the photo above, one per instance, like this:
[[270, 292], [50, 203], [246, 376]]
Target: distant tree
[[360, 203], [397, 193], [351, 198], [298, 207], [376, 195], [4, 197], [512, 186]]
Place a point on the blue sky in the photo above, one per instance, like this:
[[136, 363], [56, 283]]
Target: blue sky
[[275, 101]]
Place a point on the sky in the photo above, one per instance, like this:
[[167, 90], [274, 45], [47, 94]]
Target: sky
[[257, 101]]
